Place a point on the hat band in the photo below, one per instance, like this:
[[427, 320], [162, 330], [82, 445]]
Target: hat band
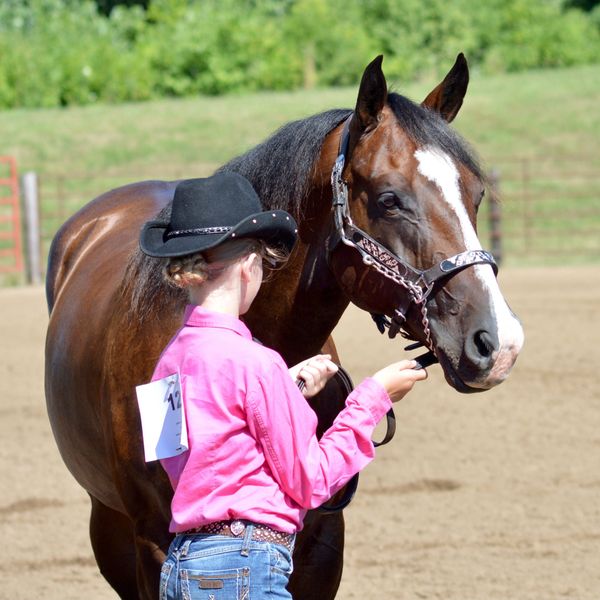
[[197, 231]]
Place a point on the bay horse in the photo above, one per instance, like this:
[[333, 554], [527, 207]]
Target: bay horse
[[395, 235]]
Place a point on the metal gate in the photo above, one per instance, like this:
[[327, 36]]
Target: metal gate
[[11, 248]]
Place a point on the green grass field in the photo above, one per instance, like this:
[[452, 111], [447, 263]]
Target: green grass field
[[539, 129]]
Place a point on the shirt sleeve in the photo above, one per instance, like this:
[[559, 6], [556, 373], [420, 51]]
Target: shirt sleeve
[[308, 469]]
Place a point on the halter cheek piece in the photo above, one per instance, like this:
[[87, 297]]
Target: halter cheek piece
[[417, 283]]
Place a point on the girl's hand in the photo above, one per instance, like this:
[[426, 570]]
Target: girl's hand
[[315, 373], [399, 378]]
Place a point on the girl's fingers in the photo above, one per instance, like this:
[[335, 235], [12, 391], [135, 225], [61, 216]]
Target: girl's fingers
[[315, 372], [406, 364], [311, 373], [331, 366], [421, 374], [308, 378], [295, 370], [322, 369]]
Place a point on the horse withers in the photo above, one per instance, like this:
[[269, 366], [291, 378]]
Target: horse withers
[[396, 235]]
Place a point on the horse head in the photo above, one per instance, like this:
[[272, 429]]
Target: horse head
[[411, 191]]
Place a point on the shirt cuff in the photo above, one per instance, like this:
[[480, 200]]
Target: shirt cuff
[[373, 397]]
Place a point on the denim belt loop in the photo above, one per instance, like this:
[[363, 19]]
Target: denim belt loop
[[183, 549], [247, 539]]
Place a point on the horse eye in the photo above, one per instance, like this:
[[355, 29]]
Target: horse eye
[[388, 201]]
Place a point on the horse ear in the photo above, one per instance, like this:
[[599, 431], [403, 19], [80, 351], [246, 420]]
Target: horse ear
[[447, 97], [372, 94]]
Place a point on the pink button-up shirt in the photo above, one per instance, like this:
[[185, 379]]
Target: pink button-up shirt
[[253, 452]]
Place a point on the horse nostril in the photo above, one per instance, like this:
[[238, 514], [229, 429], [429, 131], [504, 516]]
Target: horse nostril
[[484, 343]]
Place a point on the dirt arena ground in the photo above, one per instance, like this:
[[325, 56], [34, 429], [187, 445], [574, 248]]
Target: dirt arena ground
[[491, 496]]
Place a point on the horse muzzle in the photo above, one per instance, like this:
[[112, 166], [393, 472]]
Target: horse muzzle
[[480, 360]]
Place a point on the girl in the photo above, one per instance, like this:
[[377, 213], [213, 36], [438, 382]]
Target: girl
[[254, 464]]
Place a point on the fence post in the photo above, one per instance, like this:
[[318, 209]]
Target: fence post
[[29, 185], [495, 216]]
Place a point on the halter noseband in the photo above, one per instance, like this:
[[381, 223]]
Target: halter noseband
[[418, 283]]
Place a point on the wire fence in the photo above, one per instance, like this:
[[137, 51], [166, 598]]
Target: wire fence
[[550, 209], [60, 196], [547, 209]]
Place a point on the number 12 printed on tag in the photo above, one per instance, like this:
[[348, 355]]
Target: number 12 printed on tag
[[163, 418]]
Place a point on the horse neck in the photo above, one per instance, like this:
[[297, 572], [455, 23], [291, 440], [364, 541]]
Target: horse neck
[[298, 309]]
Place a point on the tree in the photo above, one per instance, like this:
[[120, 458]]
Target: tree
[[586, 5], [106, 6]]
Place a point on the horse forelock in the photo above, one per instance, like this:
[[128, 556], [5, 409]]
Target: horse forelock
[[428, 129]]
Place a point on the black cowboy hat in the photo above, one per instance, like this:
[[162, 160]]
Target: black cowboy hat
[[212, 210]]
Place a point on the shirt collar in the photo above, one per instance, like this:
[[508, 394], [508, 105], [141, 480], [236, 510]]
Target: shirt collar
[[197, 316]]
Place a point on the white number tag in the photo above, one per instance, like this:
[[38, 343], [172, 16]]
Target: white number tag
[[163, 418]]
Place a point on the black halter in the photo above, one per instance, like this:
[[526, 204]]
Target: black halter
[[418, 283]]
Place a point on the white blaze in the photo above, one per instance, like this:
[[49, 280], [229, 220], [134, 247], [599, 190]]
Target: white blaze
[[439, 169]]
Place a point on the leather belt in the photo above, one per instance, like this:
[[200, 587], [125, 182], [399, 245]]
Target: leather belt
[[237, 528]]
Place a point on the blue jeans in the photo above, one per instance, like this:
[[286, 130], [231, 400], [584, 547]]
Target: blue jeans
[[215, 567]]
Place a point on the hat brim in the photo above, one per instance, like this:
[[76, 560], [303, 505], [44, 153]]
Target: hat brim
[[275, 227]]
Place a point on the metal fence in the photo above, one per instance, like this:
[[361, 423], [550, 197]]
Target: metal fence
[[548, 209], [60, 196], [11, 251]]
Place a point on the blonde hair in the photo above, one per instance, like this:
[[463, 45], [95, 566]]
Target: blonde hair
[[195, 269]]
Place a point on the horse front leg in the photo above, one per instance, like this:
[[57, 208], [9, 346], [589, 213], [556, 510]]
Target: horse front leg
[[318, 557]]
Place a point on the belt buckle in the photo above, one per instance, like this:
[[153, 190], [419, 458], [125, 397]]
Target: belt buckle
[[237, 527]]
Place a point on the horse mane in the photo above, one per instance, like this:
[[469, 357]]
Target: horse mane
[[280, 170]]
